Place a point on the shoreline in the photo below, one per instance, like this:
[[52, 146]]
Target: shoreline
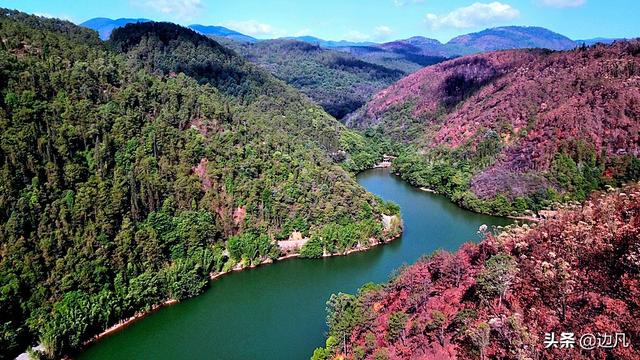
[[533, 219], [122, 324], [525, 218]]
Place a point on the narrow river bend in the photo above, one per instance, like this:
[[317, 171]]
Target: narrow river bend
[[278, 311]]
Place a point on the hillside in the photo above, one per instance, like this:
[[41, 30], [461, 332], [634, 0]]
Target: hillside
[[132, 170], [341, 76], [398, 55], [416, 45], [507, 131], [327, 43], [340, 83], [578, 272]]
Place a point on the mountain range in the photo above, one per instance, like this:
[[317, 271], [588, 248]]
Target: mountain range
[[499, 38], [329, 43], [340, 82], [341, 76]]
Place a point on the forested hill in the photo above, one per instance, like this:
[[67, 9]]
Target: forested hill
[[129, 171], [339, 82], [577, 273], [508, 131], [165, 48]]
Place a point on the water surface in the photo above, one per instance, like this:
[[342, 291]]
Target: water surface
[[278, 311]]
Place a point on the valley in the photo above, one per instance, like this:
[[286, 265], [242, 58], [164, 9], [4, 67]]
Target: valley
[[252, 307], [210, 185]]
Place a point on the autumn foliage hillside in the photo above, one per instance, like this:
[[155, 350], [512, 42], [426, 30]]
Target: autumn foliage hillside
[[577, 272], [528, 121]]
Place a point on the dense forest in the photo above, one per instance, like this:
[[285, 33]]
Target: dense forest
[[511, 131], [339, 82], [577, 272], [131, 170]]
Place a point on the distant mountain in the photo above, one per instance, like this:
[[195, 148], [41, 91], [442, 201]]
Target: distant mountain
[[328, 43], [598, 40], [509, 37], [339, 82], [498, 38], [221, 31], [104, 26], [408, 55], [411, 54], [406, 58], [416, 45]]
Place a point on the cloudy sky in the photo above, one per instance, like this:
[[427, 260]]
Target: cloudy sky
[[362, 20]]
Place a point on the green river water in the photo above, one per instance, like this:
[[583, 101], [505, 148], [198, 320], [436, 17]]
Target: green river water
[[278, 311]]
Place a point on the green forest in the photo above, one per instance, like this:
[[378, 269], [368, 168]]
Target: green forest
[[131, 170], [338, 81]]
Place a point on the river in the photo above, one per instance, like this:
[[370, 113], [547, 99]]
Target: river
[[278, 311]]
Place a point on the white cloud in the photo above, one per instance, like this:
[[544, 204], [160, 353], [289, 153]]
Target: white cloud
[[302, 32], [382, 32], [354, 35], [50, 16], [379, 33], [180, 9], [475, 15], [253, 28], [564, 3], [405, 2]]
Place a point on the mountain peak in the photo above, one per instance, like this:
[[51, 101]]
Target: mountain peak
[[329, 43], [415, 40], [511, 37], [221, 31]]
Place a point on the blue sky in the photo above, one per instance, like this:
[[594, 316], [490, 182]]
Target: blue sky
[[362, 20]]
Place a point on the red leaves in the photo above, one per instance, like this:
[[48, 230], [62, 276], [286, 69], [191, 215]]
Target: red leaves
[[201, 171], [592, 96], [576, 273]]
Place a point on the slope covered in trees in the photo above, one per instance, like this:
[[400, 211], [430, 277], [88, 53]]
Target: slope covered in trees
[[132, 170], [339, 82], [578, 272], [508, 131]]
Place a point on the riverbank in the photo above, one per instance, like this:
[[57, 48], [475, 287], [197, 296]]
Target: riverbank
[[387, 162], [290, 297], [121, 325], [357, 249], [125, 322]]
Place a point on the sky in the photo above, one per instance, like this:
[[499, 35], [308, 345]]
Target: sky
[[361, 20]]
